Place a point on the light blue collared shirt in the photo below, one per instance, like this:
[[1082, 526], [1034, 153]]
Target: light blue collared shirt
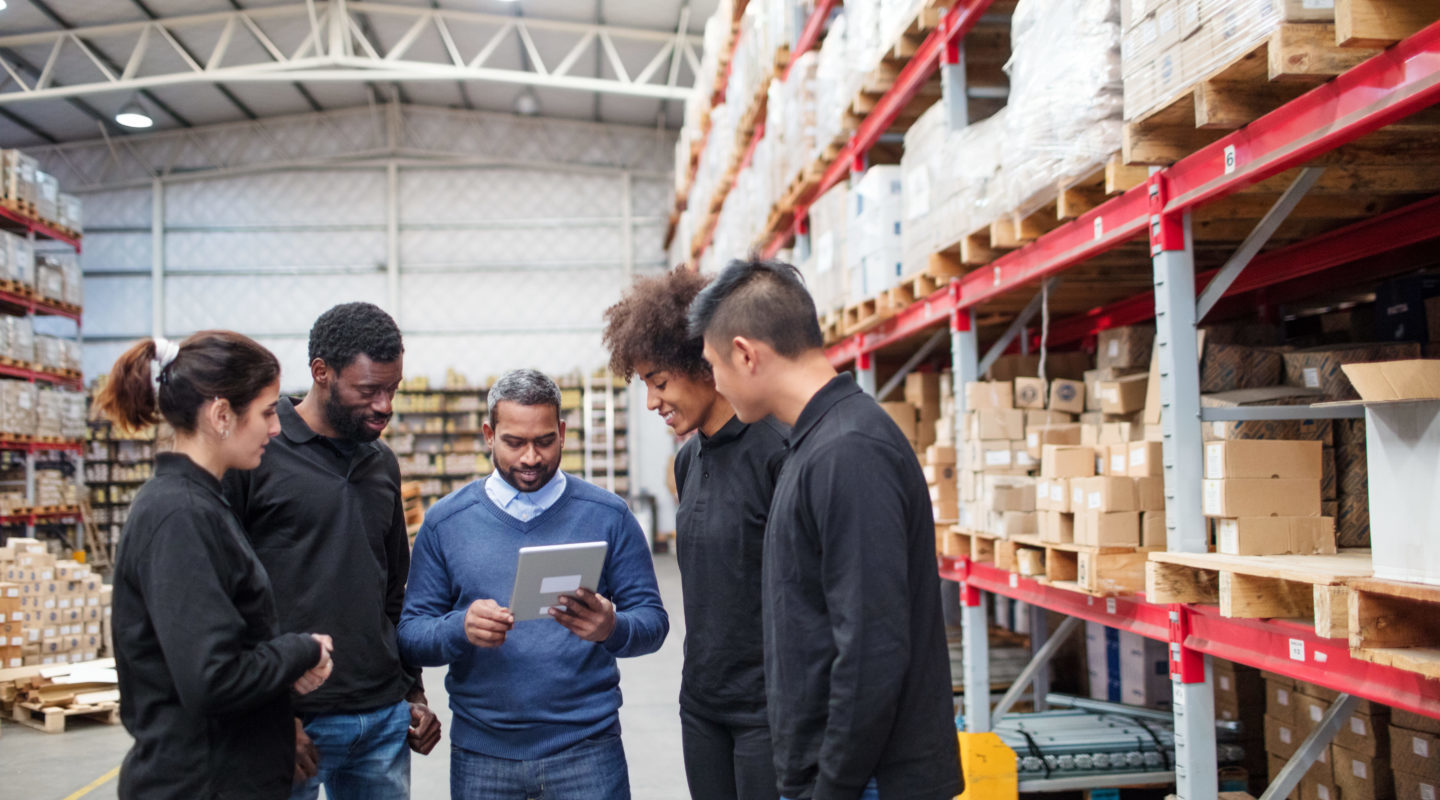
[[524, 506]]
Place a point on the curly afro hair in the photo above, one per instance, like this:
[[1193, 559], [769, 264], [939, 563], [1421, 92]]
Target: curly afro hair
[[347, 330], [649, 326]]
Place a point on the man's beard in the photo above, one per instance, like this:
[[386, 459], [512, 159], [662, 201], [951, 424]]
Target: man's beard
[[348, 424]]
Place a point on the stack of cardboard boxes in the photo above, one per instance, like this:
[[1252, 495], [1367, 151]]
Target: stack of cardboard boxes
[[927, 418], [1356, 766], [1265, 497], [55, 611], [1125, 667], [1240, 697], [1414, 754]]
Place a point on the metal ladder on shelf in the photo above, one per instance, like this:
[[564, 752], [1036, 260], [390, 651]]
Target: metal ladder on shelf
[[598, 408]]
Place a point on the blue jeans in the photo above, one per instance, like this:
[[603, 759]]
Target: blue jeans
[[362, 756], [872, 791], [595, 769]]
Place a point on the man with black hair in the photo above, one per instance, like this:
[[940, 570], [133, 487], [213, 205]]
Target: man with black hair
[[324, 514], [857, 671]]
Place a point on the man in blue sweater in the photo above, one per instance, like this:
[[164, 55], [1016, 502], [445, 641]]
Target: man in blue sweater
[[536, 704]]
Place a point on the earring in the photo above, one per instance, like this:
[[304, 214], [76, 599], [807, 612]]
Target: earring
[[225, 434]]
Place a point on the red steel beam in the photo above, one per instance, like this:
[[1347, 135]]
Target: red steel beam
[[1400, 228], [956, 23], [1280, 646], [810, 34], [18, 222], [1389, 86]]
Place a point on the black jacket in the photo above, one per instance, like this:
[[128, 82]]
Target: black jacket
[[205, 674], [330, 529], [856, 663], [725, 484]]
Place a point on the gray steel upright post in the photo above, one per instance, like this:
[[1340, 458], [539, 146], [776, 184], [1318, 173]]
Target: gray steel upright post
[[865, 374], [1178, 358], [974, 613]]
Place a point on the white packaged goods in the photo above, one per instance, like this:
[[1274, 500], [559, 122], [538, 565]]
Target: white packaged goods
[[49, 352], [17, 338], [1065, 104], [17, 407], [49, 278], [71, 215], [47, 196], [1170, 46], [18, 173], [873, 231], [17, 258], [830, 283]]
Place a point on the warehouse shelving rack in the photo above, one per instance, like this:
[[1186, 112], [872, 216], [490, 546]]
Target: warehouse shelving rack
[[29, 304], [1299, 136]]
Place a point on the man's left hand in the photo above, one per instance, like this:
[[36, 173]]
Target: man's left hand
[[424, 727], [587, 615]]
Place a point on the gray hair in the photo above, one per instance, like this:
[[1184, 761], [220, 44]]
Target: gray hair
[[528, 387]]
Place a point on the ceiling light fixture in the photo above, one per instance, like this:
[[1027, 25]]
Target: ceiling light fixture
[[526, 103], [2, 5], [132, 114]]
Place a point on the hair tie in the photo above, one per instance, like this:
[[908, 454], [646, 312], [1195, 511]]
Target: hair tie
[[165, 353]]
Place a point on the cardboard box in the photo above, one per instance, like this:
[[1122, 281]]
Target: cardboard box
[[1263, 459], [1409, 786], [1281, 738], [1228, 367], [989, 454], [1029, 393], [1265, 536], [1152, 529], [1061, 461], [1352, 521], [1275, 764], [940, 454], [1014, 523], [1056, 527], [1107, 529], [922, 389], [1093, 379], [904, 416], [1067, 396], [1415, 752], [1308, 430], [989, 394], [1362, 777], [1329, 480], [1107, 494], [997, 424], [1037, 437], [1414, 722], [1125, 348], [1150, 493], [1012, 498], [939, 473], [1320, 368], [1052, 494], [1281, 700], [1124, 395], [1117, 459], [1144, 460], [1366, 734], [1121, 433], [1261, 497], [1318, 782]]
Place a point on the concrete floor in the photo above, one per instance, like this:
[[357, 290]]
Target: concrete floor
[[38, 766]]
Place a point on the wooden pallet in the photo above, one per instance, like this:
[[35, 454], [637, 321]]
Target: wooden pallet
[[830, 326], [1395, 623], [1087, 569], [52, 719], [977, 546], [24, 208], [1292, 60], [17, 288], [1259, 587]]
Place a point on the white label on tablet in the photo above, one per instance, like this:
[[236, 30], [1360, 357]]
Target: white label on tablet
[[560, 583]]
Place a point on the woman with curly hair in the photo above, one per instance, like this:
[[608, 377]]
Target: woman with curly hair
[[725, 476]]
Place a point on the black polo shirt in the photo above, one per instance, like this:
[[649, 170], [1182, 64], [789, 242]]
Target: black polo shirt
[[856, 663], [330, 529], [204, 670], [725, 483]]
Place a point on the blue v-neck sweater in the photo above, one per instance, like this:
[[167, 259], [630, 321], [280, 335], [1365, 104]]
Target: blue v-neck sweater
[[544, 689]]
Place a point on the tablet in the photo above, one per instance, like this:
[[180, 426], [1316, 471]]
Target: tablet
[[544, 573]]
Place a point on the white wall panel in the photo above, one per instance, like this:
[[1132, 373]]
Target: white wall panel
[[527, 300], [511, 245], [98, 357], [117, 208], [479, 358], [117, 306], [109, 252], [465, 195], [293, 353], [274, 304], [280, 198], [231, 251]]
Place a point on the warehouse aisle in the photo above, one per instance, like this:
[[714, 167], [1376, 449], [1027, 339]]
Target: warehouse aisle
[[38, 766]]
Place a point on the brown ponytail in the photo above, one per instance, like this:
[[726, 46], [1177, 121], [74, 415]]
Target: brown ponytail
[[210, 364]]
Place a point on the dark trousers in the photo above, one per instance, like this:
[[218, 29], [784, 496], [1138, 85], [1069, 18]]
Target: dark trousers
[[727, 762]]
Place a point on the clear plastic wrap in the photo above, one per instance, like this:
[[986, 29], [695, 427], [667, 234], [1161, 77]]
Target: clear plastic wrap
[[1169, 46], [830, 283], [17, 407], [1065, 96], [874, 228]]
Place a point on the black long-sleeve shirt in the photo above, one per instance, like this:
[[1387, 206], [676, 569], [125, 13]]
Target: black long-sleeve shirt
[[329, 526], [204, 671], [725, 483], [856, 665]]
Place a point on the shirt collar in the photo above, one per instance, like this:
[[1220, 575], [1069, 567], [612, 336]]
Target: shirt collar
[[728, 432], [504, 494], [838, 388], [181, 465], [291, 423]]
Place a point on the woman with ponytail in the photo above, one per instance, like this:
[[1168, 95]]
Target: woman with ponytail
[[205, 675]]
